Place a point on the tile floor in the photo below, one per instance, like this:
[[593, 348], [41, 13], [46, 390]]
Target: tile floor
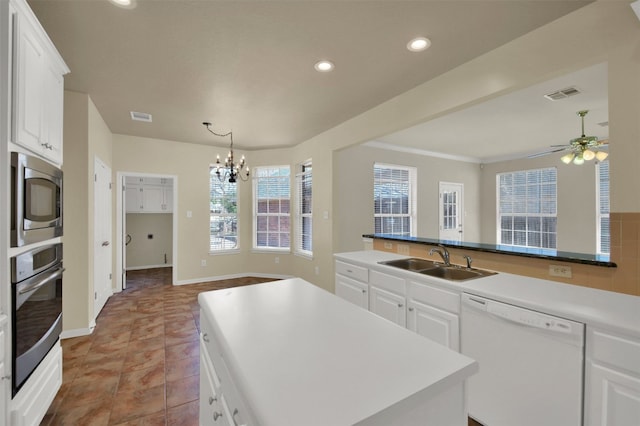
[[140, 365]]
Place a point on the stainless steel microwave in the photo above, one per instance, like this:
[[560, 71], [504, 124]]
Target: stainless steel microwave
[[36, 200]]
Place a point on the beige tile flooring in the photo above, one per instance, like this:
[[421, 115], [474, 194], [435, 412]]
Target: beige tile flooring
[[140, 365]]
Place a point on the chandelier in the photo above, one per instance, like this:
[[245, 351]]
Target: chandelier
[[230, 170], [584, 147]]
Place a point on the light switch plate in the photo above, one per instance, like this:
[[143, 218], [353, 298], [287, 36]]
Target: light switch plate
[[403, 249]]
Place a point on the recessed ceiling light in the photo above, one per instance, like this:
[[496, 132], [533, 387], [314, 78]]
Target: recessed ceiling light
[[419, 44], [125, 4], [141, 116], [324, 66]]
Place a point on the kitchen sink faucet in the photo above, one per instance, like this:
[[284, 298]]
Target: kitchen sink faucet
[[443, 252]]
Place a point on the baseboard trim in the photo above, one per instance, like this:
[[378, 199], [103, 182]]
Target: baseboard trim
[[232, 276], [138, 268], [78, 332]]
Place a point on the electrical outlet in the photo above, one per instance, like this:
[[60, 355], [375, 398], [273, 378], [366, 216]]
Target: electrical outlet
[[277, 260], [203, 262], [560, 271], [403, 249], [388, 245], [317, 269]]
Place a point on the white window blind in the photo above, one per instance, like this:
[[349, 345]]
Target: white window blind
[[393, 198], [304, 234], [527, 208], [271, 203], [223, 214], [602, 199]]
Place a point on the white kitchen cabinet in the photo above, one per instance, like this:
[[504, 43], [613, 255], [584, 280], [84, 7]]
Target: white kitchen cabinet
[[612, 371], [433, 312], [352, 283], [387, 297], [220, 401], [148, 195], [38, 89], [32, 401]]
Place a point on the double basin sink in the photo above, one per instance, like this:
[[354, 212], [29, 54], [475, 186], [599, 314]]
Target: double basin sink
[[438, 270]]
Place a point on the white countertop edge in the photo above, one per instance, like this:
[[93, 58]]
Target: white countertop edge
[[613, 311]]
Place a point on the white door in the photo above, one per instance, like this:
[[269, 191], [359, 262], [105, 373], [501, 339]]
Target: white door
[[451, 208], [102, 250]]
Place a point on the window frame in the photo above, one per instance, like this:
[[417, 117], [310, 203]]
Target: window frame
[[256, 182], [236, 249], [411, 198], [299, 241], [526, 215]]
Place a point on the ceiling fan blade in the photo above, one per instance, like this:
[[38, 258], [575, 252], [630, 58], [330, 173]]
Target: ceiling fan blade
[[540, 154], [557, 146]]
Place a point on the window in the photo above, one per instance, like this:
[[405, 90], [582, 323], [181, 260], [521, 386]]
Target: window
[[394, 199], [304, 236], [527, 208], [223, 214], [271, 203], [602, 199]]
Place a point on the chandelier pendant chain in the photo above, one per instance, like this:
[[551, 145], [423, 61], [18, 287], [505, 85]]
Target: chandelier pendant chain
[[230, 171]]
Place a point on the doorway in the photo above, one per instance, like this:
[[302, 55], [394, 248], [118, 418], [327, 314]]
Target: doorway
[[451, 211], [102, 249], [146, 224]]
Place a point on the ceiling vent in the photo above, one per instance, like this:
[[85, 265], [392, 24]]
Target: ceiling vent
[[141, 116], [562, 94]]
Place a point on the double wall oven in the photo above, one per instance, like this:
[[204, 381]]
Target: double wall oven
[[36, 269]]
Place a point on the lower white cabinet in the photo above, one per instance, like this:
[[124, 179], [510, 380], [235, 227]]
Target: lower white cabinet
[[387, 297], [220, 401], [612, 387], [353, 291], [435, 324], [31, 403]]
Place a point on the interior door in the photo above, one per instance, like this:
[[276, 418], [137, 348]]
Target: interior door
[[102, 252], [451, 208]]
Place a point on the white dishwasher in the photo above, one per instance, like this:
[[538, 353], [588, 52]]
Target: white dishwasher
[[531, 365]]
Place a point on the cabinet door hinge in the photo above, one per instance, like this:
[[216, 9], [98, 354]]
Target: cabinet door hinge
[[109, 276], [95, 295], [95, 177], [109, 185]]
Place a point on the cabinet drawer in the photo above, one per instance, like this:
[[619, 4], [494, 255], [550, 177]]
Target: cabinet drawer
[[353, 271], [435, 296], [388, 282], [620, 351]]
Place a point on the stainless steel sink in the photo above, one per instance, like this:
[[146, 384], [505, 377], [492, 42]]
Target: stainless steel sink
[[455, 273], [411, 264], [438, 270]]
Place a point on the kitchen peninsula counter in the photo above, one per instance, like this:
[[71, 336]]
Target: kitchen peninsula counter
[[297, 354]]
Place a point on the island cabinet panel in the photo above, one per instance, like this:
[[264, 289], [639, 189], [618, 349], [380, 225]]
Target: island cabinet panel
[[288, 353], [612, 389]]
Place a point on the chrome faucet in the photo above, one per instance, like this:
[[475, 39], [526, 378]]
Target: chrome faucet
[[468, 259], [443, 252]]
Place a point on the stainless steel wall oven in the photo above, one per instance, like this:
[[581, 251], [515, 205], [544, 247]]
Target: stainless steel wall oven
[[36, 200], [36, 281]]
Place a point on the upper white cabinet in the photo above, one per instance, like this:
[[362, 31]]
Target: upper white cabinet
[[148, 195], [38, 88], [612, 388]]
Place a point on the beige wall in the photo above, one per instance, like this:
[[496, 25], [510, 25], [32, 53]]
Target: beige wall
[[85, 136], [353, 173], [149, 252], [602, 31]]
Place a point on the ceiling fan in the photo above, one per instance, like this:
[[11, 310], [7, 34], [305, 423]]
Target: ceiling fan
[[581, 148]]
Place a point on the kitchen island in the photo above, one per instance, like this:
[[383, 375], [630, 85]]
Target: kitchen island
[[289, 353]]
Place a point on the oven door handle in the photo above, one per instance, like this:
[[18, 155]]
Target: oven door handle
[[42, 282]]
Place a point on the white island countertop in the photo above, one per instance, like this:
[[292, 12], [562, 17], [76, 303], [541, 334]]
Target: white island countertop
[[302, 356]]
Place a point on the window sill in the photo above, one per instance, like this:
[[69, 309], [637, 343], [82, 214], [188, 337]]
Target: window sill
[[304, 255], [224, 252], [271, 250]]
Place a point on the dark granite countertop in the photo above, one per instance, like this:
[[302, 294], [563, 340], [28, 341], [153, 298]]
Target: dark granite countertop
[[561, 256]]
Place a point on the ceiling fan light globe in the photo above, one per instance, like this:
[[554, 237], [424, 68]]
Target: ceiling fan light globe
[[601, 155], [566, 159], [578, 160], [588, 155]]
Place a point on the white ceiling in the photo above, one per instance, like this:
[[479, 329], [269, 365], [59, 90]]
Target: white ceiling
[[247, 66], [517, 124]]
